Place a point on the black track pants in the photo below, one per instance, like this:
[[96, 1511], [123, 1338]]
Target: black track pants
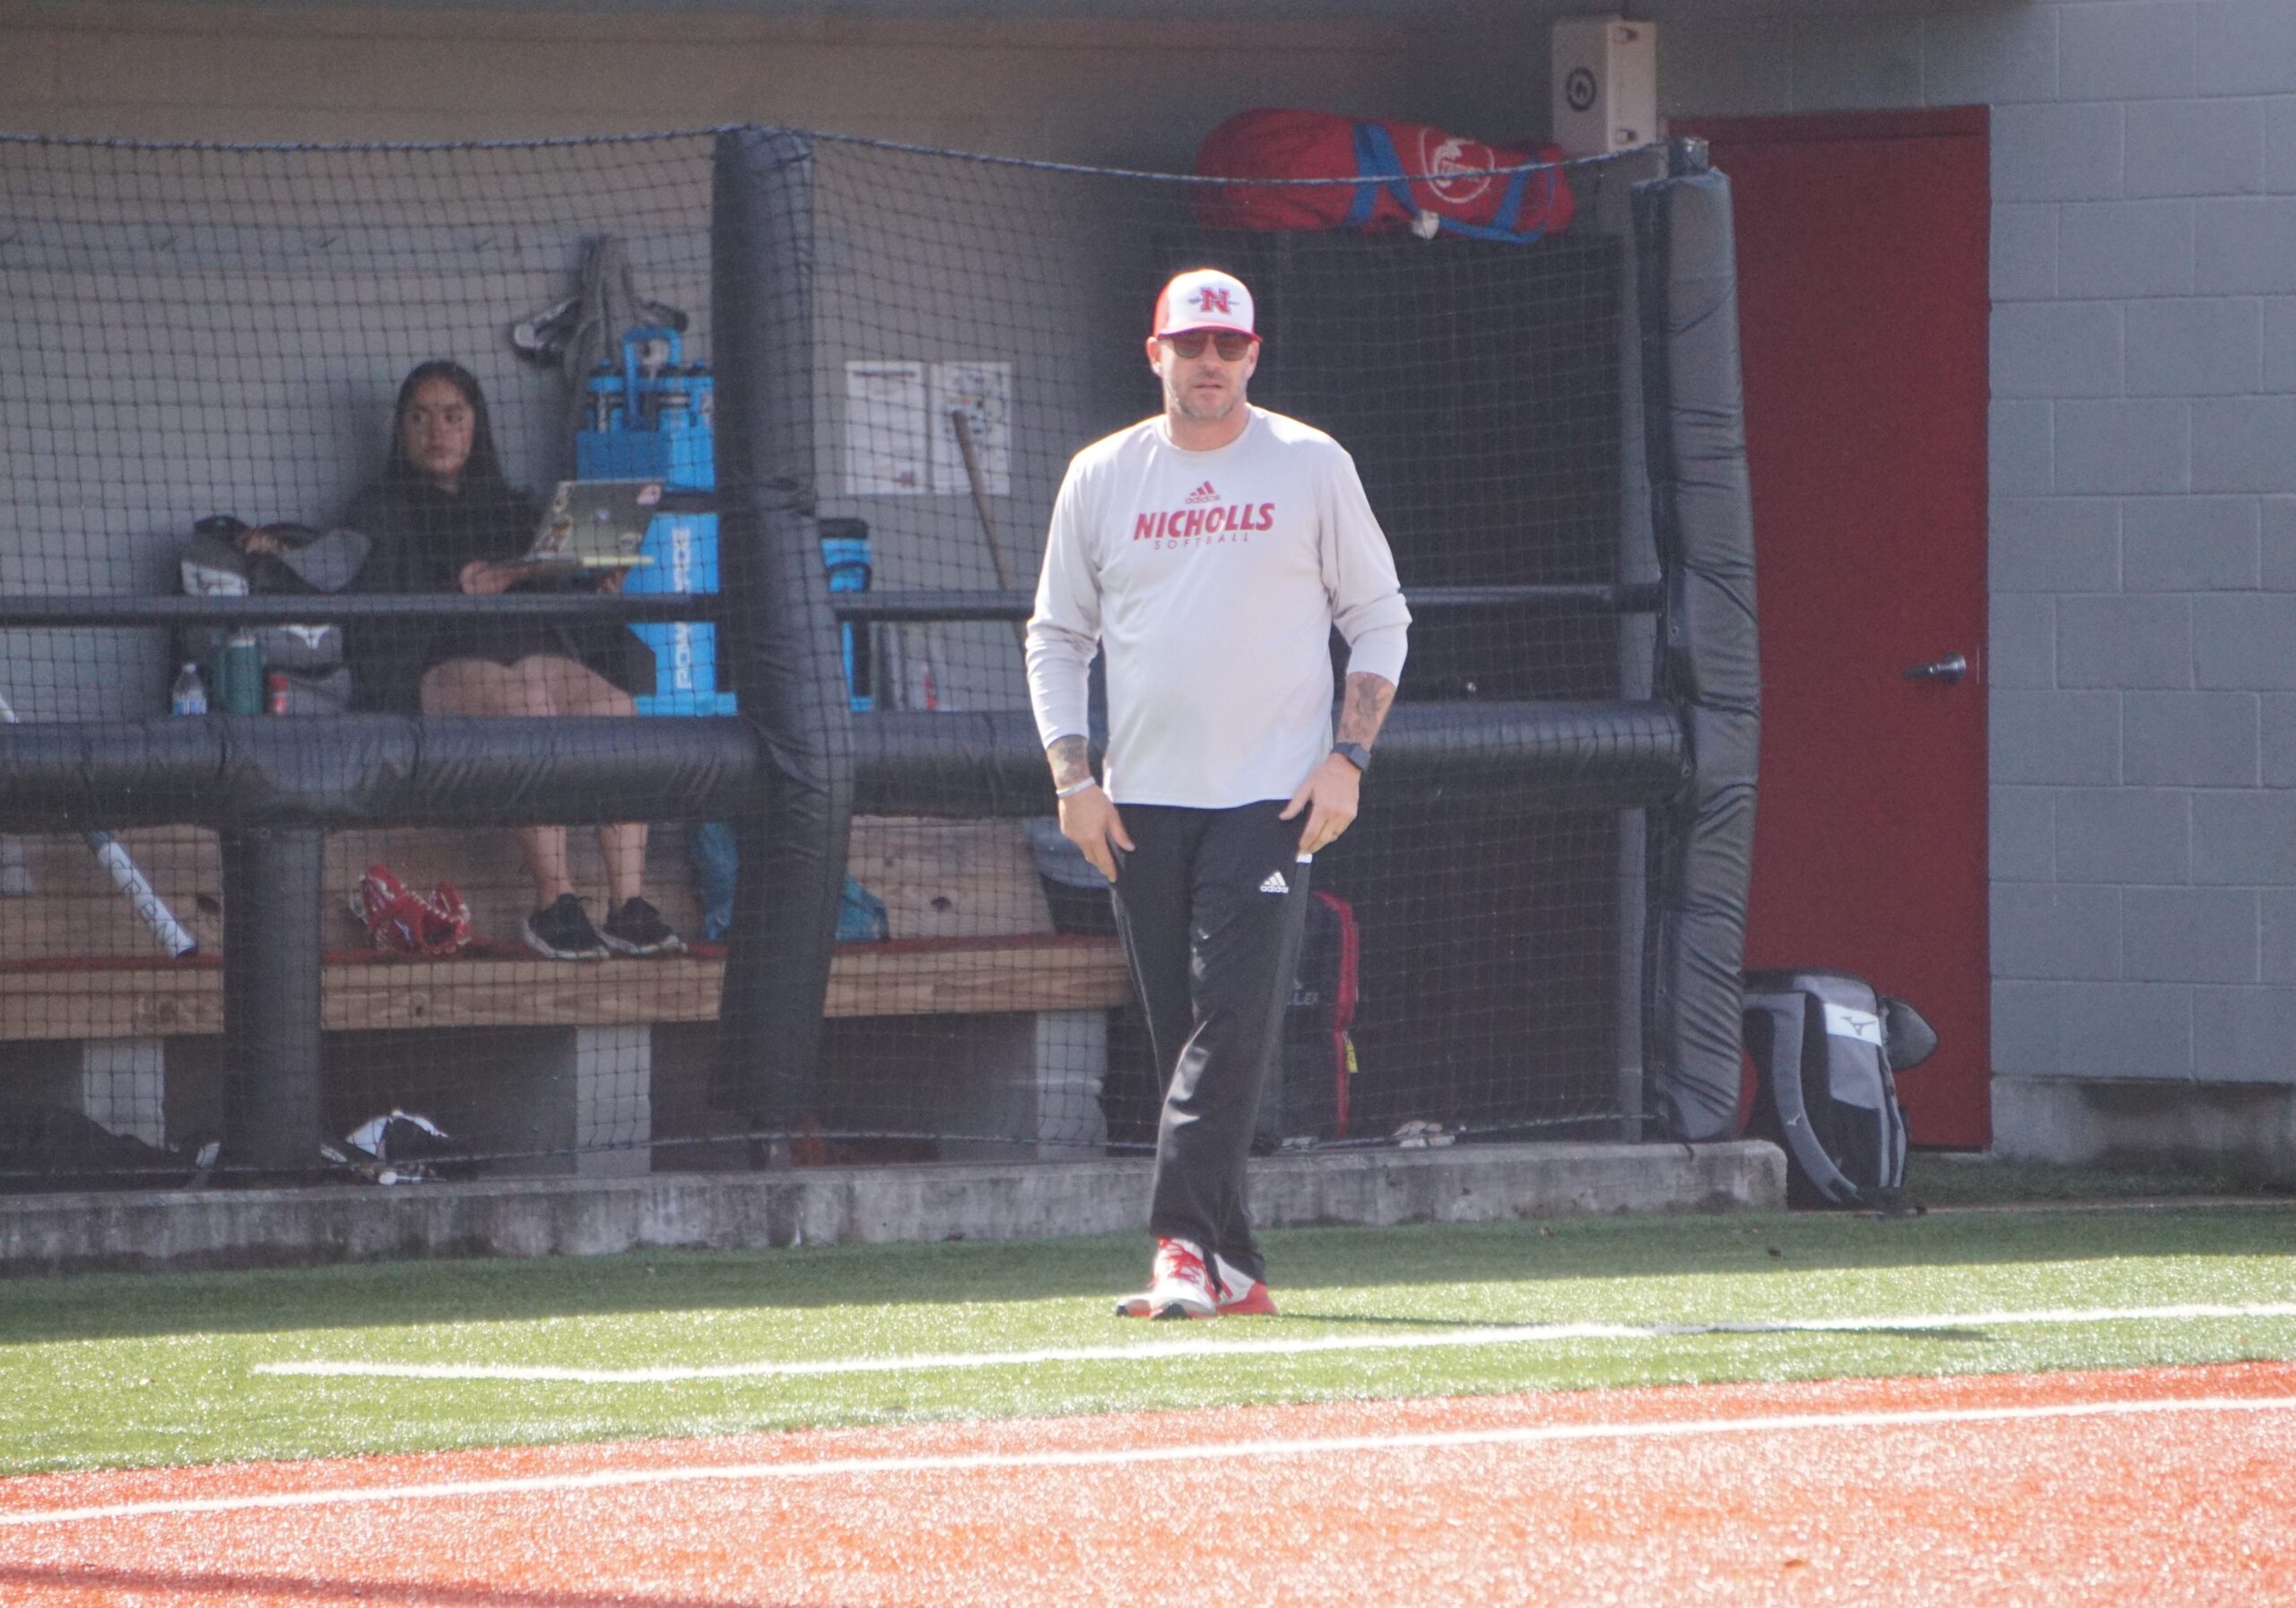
[[1210, 904]]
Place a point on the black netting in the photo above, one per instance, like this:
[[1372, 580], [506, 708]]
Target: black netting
[[838, 483]]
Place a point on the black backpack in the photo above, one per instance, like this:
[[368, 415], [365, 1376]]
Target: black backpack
[[1825, 1050], [52, 1147], [304, 668]]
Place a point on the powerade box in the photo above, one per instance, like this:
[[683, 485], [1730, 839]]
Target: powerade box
[[684, 548], [651, 419]]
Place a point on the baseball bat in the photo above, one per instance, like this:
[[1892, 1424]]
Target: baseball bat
[[964, 427], [128, 877]]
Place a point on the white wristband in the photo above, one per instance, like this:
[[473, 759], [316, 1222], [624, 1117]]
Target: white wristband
[[1073, 788]]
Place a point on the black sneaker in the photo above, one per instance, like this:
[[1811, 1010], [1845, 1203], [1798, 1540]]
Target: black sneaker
[[636, 928], [563, 932]]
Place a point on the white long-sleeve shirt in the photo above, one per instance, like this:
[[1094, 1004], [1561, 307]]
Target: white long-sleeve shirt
[[1214, 579]]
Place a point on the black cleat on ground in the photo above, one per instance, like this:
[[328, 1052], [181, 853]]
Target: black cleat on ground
[[562, 931], [636, 928]]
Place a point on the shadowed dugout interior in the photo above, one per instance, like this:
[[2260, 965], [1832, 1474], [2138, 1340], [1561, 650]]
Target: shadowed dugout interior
[[787, 717]]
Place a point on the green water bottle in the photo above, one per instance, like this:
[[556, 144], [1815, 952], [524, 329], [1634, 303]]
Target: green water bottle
[[239, 675]]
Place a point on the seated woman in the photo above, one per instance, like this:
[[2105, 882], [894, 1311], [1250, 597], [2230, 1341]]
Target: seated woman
[[443, 519]]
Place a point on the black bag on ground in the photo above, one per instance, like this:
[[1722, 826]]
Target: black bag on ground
[[1826, 1050], [1306, 1093], [52, 1147], [405, 1147]]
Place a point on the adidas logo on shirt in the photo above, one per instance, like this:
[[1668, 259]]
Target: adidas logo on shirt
[[1203, 493], [1276, 884]]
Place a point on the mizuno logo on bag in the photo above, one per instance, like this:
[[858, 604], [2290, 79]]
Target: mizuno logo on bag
[[1276, 884]]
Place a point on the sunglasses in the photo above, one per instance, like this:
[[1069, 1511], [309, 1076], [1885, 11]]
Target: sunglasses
[[1230, 343]]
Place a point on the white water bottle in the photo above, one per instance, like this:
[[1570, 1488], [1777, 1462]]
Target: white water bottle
[[189, 694]]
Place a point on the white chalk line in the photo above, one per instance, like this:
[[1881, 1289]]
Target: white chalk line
[[1300, 1345], [1215, 1452]]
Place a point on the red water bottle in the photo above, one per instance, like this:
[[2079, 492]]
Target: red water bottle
[[275, 693]]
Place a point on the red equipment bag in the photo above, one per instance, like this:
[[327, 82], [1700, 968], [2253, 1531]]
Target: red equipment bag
[[1409, 176], [1307, 1094]]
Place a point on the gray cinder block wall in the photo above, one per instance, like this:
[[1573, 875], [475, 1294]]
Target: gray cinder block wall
[[2143, 663]]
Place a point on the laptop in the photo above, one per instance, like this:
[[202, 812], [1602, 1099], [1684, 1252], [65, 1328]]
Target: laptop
[[595, 524]]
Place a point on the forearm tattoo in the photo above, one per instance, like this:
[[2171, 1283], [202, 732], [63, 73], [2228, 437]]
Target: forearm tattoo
[[1071, 762], [1364, 708]]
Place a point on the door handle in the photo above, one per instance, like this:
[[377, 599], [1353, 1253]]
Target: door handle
[[1949, 670]]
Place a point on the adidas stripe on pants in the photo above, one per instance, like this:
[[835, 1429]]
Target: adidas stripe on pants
[[1210, 904]]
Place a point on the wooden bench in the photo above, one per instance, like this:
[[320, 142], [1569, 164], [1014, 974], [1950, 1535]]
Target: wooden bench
[[571, 1049]]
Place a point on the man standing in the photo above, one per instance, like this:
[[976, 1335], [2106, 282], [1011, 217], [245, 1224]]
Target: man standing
[[1210, 550]]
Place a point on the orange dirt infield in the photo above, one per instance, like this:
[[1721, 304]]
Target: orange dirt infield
[[2160, 1486]]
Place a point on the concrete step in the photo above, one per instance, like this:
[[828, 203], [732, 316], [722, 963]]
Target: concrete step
[[825, 1206]]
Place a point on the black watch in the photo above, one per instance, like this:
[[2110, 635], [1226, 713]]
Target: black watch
[[1355, 753]]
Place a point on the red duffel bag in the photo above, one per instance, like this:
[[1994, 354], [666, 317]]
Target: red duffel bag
[[1408, 176]]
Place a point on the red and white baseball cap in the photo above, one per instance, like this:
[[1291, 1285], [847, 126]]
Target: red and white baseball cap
[[1204, 299]]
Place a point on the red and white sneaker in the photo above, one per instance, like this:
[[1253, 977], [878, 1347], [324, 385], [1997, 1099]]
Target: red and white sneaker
[[1240, 1294], [1235, 1293], [1180, 1286]]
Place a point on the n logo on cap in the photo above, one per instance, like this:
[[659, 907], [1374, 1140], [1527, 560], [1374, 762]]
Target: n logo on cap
[[1213, 299]]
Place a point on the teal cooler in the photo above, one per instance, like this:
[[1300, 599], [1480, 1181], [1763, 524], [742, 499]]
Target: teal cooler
[[845, 554]]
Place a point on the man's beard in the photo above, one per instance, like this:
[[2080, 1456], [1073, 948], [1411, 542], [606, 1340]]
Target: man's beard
[[1184, 403]]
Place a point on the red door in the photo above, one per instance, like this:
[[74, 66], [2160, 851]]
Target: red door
[[1863, 308]]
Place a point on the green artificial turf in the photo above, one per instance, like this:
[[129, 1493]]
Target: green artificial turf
[[120, 1370]]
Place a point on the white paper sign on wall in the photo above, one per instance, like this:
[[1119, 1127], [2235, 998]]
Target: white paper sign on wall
[[983, 392], [887, 449]]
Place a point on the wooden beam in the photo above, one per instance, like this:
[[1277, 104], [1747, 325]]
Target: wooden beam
[[161, 1000], [1077, 974], [470, 993]]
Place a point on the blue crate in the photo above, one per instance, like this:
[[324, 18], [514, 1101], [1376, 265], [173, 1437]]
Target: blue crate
[[681, 459], [650, 424]]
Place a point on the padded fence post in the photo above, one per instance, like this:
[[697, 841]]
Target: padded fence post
[[1638, 565], [272, 944], [781, 639], [1703, 522]]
